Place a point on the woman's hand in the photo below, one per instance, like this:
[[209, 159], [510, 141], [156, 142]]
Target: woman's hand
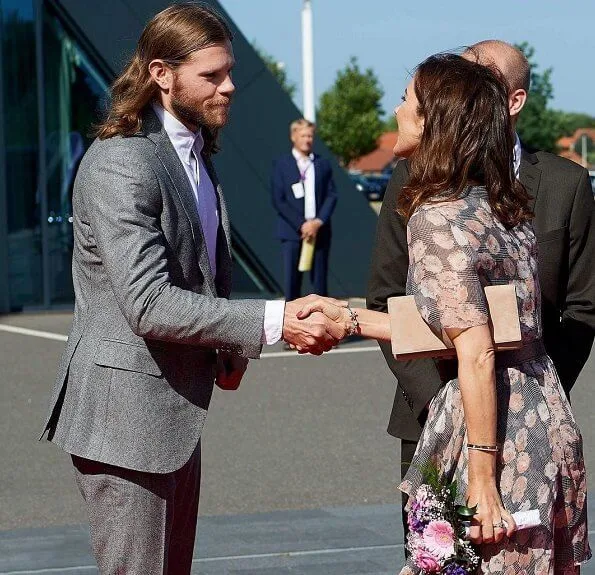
[[491, 522], [334, 309]]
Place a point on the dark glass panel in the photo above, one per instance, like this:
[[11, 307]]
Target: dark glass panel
[[74, 96], [17, 33]]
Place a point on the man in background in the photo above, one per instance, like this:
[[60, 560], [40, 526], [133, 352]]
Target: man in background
[[304, 196]]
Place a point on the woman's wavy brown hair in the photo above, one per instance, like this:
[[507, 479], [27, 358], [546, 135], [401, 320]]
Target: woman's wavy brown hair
[[172, 36], [467, 139]]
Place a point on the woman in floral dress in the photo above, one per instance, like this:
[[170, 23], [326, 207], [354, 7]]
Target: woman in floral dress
[[503, 428]]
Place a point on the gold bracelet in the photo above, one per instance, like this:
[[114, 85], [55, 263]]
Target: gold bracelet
[[490, 448]]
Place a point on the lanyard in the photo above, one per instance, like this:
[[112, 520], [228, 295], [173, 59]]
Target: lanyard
[[303, 174]]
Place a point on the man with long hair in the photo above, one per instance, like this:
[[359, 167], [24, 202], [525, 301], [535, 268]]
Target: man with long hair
[[562, 203], [153, 327]]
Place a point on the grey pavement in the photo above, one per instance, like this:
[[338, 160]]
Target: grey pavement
[[299, 473]]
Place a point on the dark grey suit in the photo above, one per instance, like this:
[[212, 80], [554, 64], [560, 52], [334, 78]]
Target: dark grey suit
[[137, 375], [565, 229]]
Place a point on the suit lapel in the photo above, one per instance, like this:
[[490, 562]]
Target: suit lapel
[[530, 175], [224, 254], [317, 175], [292, 162], [166, 153]]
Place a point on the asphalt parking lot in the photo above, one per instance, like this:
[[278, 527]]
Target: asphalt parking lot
[[303, 434]]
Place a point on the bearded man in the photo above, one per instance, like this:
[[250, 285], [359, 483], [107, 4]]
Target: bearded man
[[153, 327]]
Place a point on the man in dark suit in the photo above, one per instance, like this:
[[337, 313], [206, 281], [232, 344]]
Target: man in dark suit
[[304, 196], [563, 207]]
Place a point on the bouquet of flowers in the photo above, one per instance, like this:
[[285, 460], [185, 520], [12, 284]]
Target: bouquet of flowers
[[437, 524]]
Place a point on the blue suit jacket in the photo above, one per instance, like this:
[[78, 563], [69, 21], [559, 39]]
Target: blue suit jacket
[[291, 210]]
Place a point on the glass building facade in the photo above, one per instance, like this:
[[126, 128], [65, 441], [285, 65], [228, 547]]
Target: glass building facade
[[51, 94]]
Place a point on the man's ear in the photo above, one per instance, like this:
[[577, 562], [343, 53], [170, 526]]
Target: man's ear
[[161, 74], [516, 101]]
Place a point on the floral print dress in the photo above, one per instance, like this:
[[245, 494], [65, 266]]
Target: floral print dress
[[455, 249]]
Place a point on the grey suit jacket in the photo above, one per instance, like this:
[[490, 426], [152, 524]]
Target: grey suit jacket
[[137, 374]]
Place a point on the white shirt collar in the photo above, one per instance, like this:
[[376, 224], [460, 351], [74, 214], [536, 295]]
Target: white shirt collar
[[517, 154], [300, 157], [182, 139]]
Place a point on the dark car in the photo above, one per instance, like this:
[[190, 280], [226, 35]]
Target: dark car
[[372, 189], [592, 177], [380, 179]]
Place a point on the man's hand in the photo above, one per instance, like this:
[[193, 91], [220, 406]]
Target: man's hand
[[309, 229], [316, 333], [230, 370]]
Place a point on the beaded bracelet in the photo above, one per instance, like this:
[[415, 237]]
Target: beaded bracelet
[[490, 448], [354, 321]]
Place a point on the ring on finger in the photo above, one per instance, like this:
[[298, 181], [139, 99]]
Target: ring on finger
[[498, 525]]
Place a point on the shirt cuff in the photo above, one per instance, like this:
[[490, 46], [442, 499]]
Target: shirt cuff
[[274, 312]]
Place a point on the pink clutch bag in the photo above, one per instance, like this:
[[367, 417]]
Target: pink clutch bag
[[412, 338]]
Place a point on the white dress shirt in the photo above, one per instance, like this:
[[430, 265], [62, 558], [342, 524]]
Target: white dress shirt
[[306, 168], [188, 146], [517, 155]]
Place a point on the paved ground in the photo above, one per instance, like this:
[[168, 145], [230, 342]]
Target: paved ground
[[303, 438]]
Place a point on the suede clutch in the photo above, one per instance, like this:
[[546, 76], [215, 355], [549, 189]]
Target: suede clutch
[[412, 337]]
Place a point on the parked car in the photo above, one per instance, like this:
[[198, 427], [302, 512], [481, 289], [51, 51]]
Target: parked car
[[381, 179], [592, 176], [372, 190]]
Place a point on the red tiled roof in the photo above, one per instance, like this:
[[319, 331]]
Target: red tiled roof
[[568, 142], [570, 155], [378, 159], [565, 142]]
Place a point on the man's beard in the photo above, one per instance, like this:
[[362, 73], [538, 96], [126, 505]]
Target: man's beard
[[213, 114]]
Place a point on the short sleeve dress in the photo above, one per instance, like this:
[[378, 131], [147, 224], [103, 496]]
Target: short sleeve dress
[[455, 249]]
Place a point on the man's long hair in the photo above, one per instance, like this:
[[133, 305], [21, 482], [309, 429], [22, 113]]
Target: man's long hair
[[172, 36], [467, 139]]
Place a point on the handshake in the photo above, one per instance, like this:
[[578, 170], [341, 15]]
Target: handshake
[[314, 324]]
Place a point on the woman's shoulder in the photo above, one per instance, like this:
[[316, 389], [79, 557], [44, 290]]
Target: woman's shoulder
[[441, 212]]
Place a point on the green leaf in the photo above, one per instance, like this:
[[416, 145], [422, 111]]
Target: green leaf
[[466, 512], [452, 489]]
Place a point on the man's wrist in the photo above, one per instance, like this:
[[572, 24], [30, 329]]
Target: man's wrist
[[274, 314]]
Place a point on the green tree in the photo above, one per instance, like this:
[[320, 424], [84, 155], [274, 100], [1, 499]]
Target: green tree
[[277, 69], [390, 124], [538, 125], [349, 117], [570, 122]]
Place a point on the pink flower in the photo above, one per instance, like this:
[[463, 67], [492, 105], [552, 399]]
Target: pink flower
[[439, 539], [426, 561], [492, 244], [472, 239], [443, 240], [521, 439], [523, 461], [418, 249], [519, 488], [516, 402], [475, 226], [506, 480], [509, 451], [530, 418], [435, 217], [483, 216], [432, 263], [509, 267], [458, 260]]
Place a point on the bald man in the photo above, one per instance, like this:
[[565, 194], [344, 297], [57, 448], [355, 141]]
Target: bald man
[[562, 201]]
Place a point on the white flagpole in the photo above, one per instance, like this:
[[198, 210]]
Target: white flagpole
[[308, 62]]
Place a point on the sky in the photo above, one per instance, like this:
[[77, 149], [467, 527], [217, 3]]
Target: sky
[[392, 36]]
